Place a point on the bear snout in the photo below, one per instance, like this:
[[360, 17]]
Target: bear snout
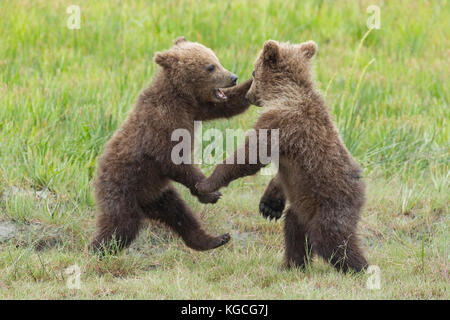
[[234, 78]]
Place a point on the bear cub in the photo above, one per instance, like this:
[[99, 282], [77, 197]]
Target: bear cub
[[135, 172], [316, 173]]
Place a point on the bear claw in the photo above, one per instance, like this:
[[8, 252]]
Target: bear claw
[[271, 208], [221, 240]]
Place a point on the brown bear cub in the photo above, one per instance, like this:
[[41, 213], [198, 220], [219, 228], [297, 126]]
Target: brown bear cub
[[316, 172], [135, 171]]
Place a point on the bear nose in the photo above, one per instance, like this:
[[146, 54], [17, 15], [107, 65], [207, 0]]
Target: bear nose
[[234, 78]]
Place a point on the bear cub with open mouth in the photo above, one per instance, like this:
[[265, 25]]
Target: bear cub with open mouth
[[135, 172]]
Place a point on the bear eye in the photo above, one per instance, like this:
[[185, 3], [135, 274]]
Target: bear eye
[[210, 68], [253, 73]]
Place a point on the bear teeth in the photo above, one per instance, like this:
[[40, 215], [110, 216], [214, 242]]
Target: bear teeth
[[220, 94]]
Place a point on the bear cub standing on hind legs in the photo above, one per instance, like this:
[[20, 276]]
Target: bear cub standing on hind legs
[[135, 171], [316, 172]]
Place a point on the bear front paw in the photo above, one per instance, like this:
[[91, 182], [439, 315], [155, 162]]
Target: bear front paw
[[212, 197], [271, 208], [204, 187]]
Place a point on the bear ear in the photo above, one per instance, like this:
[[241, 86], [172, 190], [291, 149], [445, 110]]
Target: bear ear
[[179, 40], [165, 59], [308, 49], [271, 52]]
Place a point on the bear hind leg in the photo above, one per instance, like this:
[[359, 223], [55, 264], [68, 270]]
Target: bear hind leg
[[298, 249], [114, 232], [344, 255], [174, 212], [340, 248]]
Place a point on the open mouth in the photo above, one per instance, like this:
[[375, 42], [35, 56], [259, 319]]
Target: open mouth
[[220, 94]]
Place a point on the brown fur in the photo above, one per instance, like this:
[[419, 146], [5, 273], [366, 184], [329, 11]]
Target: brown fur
[[316, 173], [135, 172]]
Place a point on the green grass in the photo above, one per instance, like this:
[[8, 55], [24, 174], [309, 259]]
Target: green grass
[[64, 92]]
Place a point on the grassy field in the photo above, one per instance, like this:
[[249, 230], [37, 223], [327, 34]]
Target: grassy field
[[64, 92]]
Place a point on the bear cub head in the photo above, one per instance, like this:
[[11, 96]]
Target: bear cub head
[[279, 68], [195, 70]]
